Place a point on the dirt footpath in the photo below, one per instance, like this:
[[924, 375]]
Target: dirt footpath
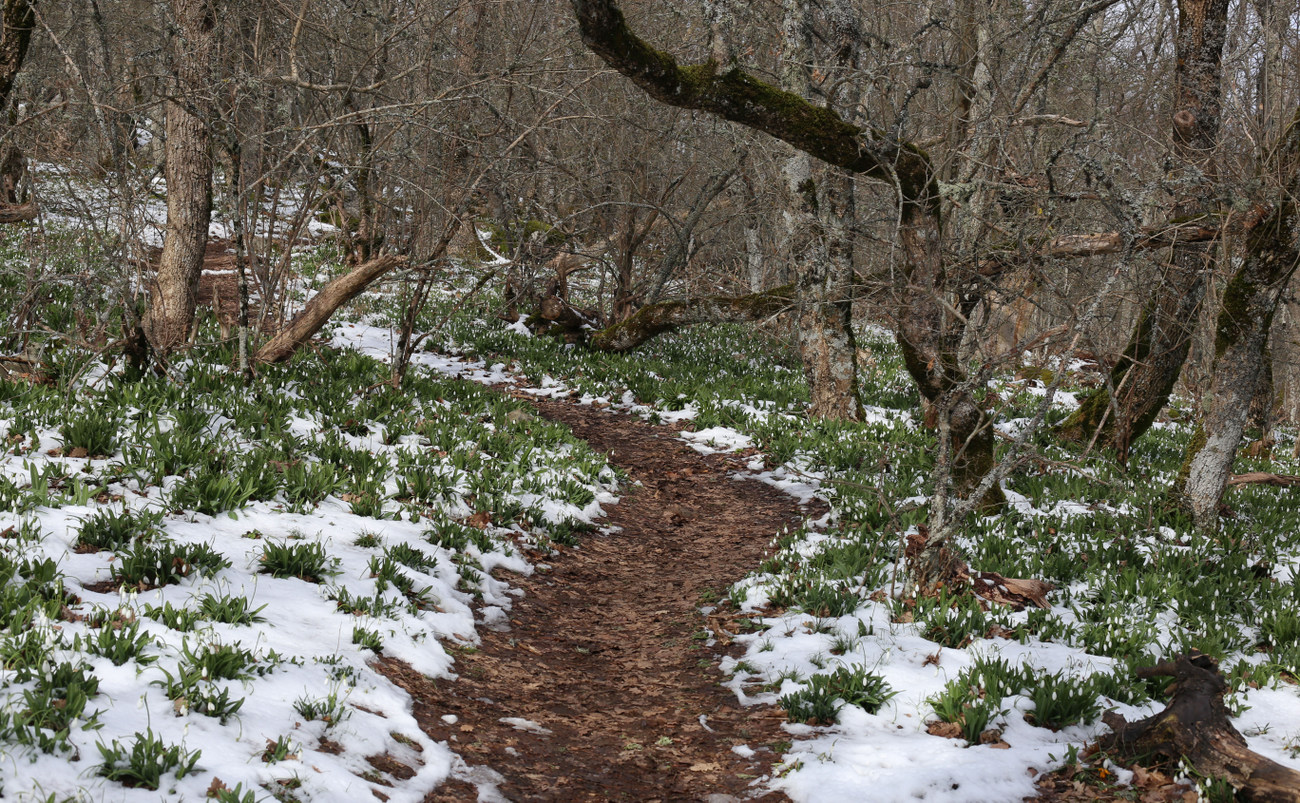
[[603, 687]]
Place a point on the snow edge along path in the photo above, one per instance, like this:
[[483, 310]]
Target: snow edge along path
[[888, 756]]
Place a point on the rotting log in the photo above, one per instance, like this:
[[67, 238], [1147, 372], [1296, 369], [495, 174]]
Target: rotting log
[[666, 316], [323, 305], [1194, 728], [17, 213]]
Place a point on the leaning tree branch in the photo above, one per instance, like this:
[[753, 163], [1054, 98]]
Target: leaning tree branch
[[323, 305], [735, 95]]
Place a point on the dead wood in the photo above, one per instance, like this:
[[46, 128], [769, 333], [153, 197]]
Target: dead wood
[[1264, 478], [656, 319], [323, 305], [17, 213], [23, 369], [1014, 593], [1194, 727]]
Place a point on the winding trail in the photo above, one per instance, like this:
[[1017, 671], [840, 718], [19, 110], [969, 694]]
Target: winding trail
[[604, 671]]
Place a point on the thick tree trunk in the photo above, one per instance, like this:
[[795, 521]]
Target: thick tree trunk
[[1146, 372], [1194, 727], [824, 293], [666, 316], [323, 305], [19, 20], [189, 181], [1241, 338]]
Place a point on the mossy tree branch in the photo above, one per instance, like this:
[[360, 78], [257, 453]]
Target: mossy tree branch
[[928, 333], [735, 95]]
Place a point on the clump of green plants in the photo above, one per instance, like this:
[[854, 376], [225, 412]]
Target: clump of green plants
[[214, 488], [89, 433], [307, 484], [952, 621], [231, 610], [119, 641], [153, 565], [307, 561], [974, 698], [1060, 701], [145, 762], [367, 639], [110, 531], [411, 557], [180, 619], [45, 714], [820, 701], [190, 689], [330, 709]]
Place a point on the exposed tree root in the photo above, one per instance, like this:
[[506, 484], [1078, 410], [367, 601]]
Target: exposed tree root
[[1194, 728]]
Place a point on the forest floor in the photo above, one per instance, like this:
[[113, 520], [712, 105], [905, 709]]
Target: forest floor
[[605, 683]]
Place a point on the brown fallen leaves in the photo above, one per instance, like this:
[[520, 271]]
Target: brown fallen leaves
[[1075, 783]]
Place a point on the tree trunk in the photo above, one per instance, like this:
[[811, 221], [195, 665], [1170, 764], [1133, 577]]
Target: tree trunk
[[1147, 370], [824, 318], [323, 305], [1194, 727], [1249, 304], [189, 181], [817, 240], [18, 18]]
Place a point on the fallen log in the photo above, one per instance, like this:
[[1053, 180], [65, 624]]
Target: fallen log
[[10, 213], [656, 319], [323, 305], [1194, 728], [1264, 478], [16, 368]]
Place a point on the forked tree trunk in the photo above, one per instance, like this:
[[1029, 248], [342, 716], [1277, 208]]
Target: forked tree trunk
[[189, 181], [1241, 339], [1147, 371]]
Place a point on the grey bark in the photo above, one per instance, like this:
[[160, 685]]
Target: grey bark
[[1241, 338], [189, 180], [817, 232]]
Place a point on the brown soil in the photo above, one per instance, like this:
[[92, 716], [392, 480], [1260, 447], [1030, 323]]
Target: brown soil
[[219, 283], [607, 650]]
